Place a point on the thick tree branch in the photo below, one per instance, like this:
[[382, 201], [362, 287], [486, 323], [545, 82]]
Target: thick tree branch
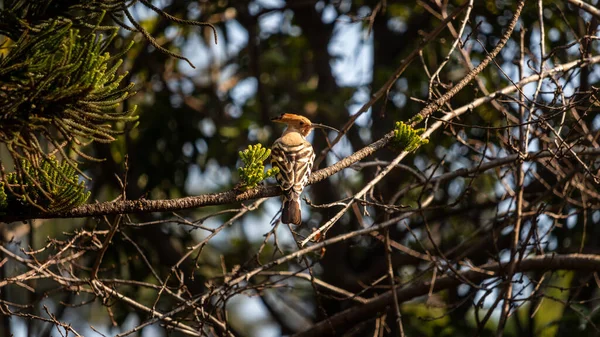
[[233, 196], [337, 324]]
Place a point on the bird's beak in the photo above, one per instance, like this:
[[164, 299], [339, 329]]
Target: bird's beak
[[323, 126], [277, 119]]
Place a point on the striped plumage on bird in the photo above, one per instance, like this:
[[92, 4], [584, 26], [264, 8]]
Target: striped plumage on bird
[[294, 156]]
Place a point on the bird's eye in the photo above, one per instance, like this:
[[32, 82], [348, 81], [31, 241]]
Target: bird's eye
[[301, 123]]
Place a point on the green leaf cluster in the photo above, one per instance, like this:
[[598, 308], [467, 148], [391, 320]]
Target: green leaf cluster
[[406, 138], [253, 171], [51, 186], [63, 85], [59, 91]]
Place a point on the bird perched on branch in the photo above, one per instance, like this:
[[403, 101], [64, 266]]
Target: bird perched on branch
[[294, 156]]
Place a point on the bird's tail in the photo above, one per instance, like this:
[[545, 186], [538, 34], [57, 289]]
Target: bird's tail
[[291, 208]]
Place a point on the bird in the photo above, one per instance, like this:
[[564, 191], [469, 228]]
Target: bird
[[294, 156]]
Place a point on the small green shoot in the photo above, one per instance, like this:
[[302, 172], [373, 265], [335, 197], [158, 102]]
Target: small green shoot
[[253, 171], [406, 138]]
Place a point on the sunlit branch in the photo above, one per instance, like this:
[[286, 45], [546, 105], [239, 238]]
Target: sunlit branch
[[234, 196]]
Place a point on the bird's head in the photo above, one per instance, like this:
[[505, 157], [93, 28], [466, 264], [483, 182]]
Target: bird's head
[[297, 123]]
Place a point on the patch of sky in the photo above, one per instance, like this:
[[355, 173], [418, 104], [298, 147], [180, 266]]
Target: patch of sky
[[352, 54], [530, 168], [499, 189], [270, 23], [194, 10], [201, 146], [505, 254], [553, 34], [570, 86], [171, 32], [594, 74], [510, 52], [270, 4], [342, 149], [256, 224], [187, 149], [213, 178], [440, 152], [234, 111], [421, 162], [534, 145], [585, 15], [368, 221], [329, 14], [198, 53], [365, 135], [207, 127], [553, 244], [456, 187], [157, 84], [237, 37], [244, 90], [131, 321], [484, 26], [414, 235], [522, 287], [186, 85], [399, 99], [544, 225], [490, 152], [574, 49], [220, 240], [176, 100], [359, 99], [463, 290], [488, 294], [219, 53], [572, 219], [402, 84], [506, 206], [397, 24], [457, 162], [251, 314], [344, 6], [226, 73]]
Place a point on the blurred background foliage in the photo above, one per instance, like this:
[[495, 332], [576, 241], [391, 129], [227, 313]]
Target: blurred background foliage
[[322, 59]]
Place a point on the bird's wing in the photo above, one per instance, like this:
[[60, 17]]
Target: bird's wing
[[294, 162]]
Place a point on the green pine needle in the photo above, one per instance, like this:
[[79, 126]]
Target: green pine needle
[[3, 198], [50, 186], [60, 86]]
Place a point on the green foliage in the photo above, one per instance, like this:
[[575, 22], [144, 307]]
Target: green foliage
[[60, 82], [19, 16], [253, 171], [51, 186], [406, 138], [3, 198]]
